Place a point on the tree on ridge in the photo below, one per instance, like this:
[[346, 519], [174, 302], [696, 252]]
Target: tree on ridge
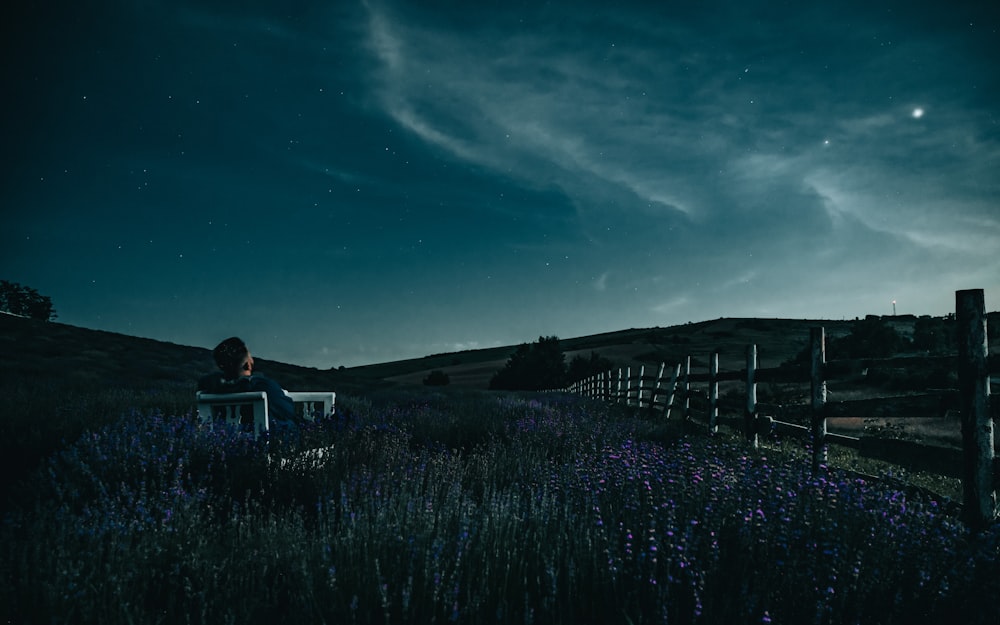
[[25, 301]]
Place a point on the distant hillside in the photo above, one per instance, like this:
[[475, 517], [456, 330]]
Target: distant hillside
[[777, 341], [39, 348]]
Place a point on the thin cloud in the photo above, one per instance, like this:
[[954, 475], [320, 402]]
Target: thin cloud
[[601, 283], [476, 170]]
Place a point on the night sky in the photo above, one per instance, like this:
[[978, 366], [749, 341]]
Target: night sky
[[343, 183]]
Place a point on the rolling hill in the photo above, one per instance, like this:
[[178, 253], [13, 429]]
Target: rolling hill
[[777, 341], [35, 348]]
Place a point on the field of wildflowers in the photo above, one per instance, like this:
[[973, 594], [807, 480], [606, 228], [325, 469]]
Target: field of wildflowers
[[474, 508]]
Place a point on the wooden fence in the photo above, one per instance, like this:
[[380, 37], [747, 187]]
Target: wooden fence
[[670, 391]]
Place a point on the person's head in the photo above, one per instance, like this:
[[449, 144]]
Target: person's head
[[233, 358]]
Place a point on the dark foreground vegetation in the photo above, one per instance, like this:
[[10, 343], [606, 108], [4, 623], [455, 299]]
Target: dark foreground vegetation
[[471, 507]]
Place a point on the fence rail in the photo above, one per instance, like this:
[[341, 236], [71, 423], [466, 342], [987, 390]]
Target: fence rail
[[670, 390]]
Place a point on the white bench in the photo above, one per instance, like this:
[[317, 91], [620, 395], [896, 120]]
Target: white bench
[[209, 404]]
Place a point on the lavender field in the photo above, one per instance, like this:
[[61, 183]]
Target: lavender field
[[475, 508]]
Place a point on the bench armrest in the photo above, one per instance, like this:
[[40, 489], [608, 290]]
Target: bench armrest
[[230, 403], [313, 400]]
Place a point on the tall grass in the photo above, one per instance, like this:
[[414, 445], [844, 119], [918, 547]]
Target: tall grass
[[474, 508], [42, 414]]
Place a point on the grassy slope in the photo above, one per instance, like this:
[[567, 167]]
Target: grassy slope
[[85, 357], [42, 358], [43, 349], [777, 341]]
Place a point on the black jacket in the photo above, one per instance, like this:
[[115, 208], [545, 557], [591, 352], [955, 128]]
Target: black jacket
[[279, 405]]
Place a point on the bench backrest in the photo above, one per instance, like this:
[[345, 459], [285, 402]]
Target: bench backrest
[[230, 405]]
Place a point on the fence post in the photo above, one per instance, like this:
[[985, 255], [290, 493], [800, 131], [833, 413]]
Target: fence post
[[687, 392], [750, 414], [817, 342], [628, 386], [618, 390], [656, 388], [639, 389], [673, 391], [713, 394], [979, 496]]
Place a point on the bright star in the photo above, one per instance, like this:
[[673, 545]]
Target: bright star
[[918, 113]]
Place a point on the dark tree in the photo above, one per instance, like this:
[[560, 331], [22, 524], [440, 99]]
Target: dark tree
[[871, 337], [512, 376], [935, 335], [25, 301], [581, 368], [533, 367]]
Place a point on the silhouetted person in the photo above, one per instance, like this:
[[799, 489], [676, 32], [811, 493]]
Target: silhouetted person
[[236, 375]]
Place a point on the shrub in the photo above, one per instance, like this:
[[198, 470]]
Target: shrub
[[871, 337], [581, 368], [533, 367]]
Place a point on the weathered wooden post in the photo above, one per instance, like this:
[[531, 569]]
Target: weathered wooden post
[[687, 393], [750, 415], [656, 388], [979, 495], [618, 390], [641, 387], [817, 342], [673, 391], [713, 394]]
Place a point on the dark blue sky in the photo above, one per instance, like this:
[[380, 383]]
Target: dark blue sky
[[342, 183]]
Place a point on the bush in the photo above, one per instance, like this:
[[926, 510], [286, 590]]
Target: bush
[[581, 368], [533, 367], [868, 338], [935, 335], [871, 337]]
